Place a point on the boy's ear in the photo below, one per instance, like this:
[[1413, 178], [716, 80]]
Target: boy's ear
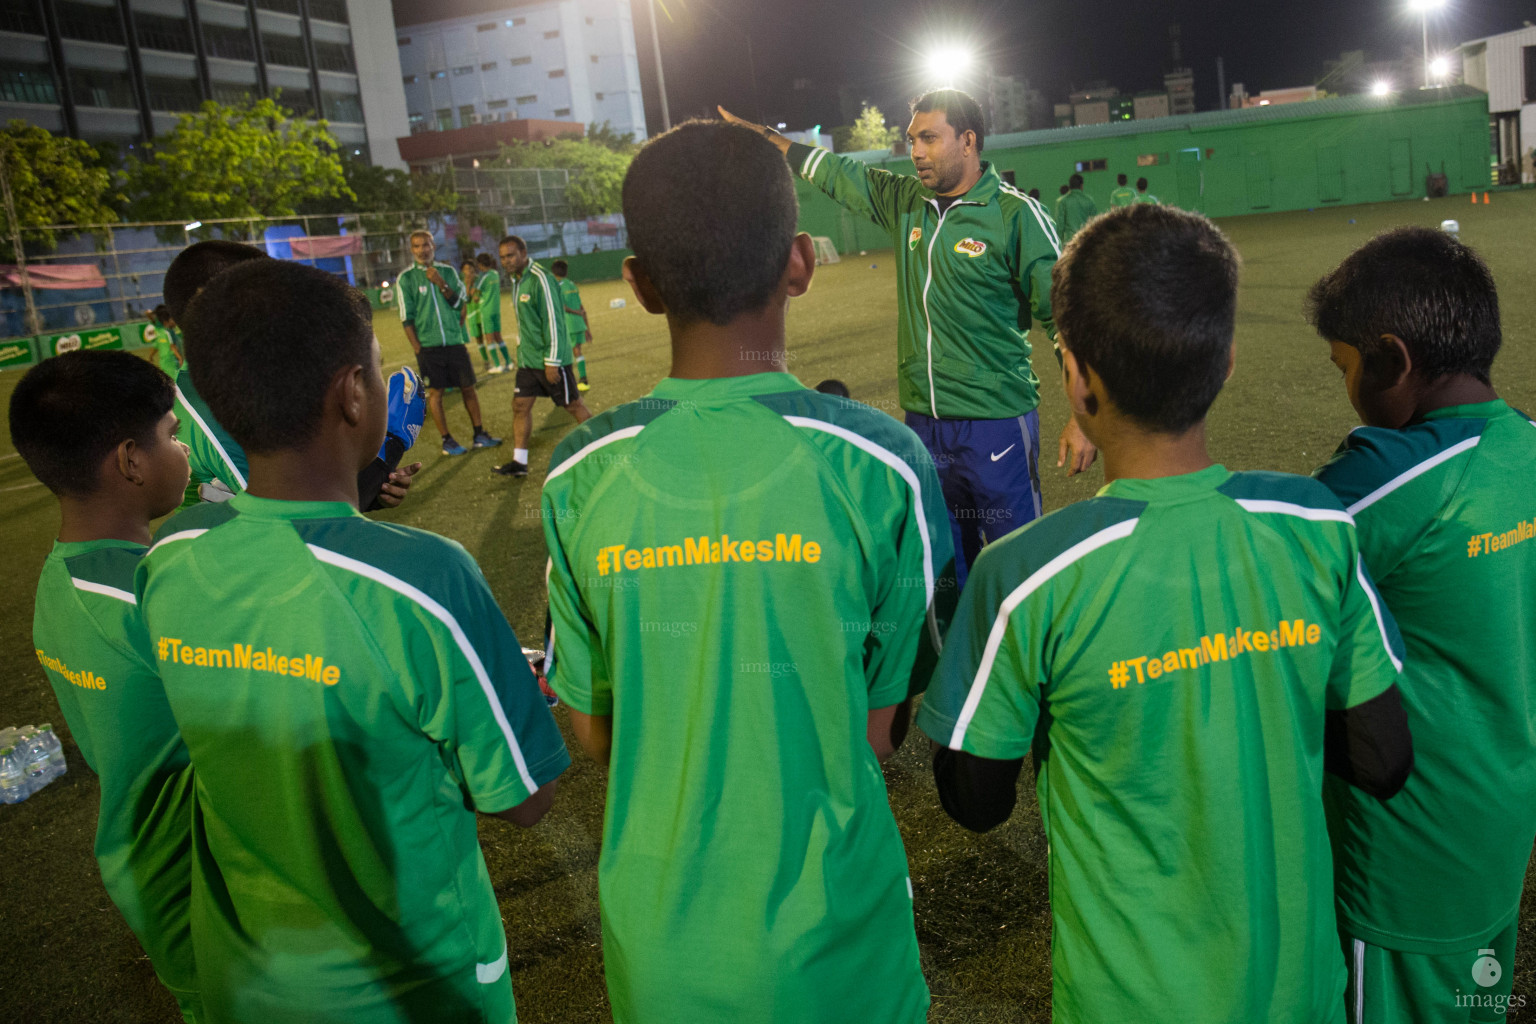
[[1231, 359], [1077, 378], [128, 461], [802, 265], [349, 389], [640, 284], [1390, 363]]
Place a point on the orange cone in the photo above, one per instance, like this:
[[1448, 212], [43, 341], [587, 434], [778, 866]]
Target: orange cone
[[1474, 198], [1485, 199]]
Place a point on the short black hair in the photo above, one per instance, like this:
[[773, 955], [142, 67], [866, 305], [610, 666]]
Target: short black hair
[[264, 341], [716, 248], [516, 240], [72, 411], [833, 386], [1422, 285], [560, 267], [1065, 189], [161, 313], [200, 263], [1147, 297], [1141, 184], [960, 109], [486, 261], [1076, 181], [1034, 193], [469, 259], [1121, 179]]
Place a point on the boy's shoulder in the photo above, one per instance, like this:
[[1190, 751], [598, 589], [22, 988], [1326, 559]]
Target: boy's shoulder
[[856, 423], [1044, 547], [1264, 491], [107, 570], [1373, 462], [607, 427]]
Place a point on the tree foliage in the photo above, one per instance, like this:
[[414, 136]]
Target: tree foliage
[[253, 159], [380, 190], [53, 181], [870, 132], [597, 165]]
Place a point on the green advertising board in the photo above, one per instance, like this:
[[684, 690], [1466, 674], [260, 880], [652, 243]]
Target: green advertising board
[[74, 341], [17, 352]]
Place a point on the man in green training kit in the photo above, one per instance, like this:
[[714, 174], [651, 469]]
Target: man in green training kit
[[348, 691], [742, 572], [1184, 654], [543, 350], [1074, 209], [1439, 482], [1123, 195], [973, 258], [99, 430], [1142, 195], [576, 323], [488, 297], [430, 296]]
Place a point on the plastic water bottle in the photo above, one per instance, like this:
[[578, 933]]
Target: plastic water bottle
[[13, 781], [34, 762], [56, 763]]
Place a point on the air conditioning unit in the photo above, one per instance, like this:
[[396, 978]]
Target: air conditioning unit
[[472, 119]]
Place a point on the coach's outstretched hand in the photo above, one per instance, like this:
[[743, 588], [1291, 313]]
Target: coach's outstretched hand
[[761, 129]]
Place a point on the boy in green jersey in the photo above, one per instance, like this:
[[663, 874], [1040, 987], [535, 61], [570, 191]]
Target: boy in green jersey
[[1184, 654], [1439, 480], [576, 322], [470, 314], [348, 691], [99, 430], [162, 333], [488, 297], [1142, 195], [1074, 209], [742, 572], [1123, 195]]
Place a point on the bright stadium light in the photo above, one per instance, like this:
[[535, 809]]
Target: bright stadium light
[[1381, 87], [1440, 67], [1424, 8], [947, 63]]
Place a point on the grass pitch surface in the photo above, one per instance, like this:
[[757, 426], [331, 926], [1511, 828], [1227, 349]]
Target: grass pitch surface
[[981, 900]]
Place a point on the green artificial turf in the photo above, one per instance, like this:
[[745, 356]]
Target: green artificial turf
[[981, 900]]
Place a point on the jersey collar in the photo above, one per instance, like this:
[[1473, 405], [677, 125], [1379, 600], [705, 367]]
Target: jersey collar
[[69, 549], [1166, 489], [747, 386], [273, 508], [1473, 411]]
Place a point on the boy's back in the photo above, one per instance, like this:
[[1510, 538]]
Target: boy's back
[[1171, 647], [347, 689], [1448, 529], [739, 565]]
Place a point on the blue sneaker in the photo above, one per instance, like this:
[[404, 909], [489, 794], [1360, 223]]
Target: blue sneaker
[[407, 408], [452, 447], [484, 440]]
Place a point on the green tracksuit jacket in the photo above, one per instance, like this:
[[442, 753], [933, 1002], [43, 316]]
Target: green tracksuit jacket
[[968, 280]]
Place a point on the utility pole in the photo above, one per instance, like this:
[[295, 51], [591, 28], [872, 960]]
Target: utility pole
[[33, 324], [661, 80]]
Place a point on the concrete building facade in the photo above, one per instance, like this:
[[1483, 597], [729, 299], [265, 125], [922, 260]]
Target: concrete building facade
[[1504, 67]]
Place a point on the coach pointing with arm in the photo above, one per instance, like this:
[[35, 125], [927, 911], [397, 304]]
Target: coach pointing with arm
[[974, 258]]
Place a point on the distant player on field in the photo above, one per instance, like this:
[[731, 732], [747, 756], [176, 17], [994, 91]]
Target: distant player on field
[[1123, 195], [1183, 655], [576, 322], [348, 690], [973, 263], [431, 296], [1142, 195], [99, 430], [469, 316], [488, 296], [1074, 209], [1439, 480], [784, 549], [543, 350]]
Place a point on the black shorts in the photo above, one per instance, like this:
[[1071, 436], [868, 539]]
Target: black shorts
[[445, 366], [533, 384]]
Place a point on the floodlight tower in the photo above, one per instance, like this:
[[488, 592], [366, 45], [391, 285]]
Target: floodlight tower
[[1424, 7]]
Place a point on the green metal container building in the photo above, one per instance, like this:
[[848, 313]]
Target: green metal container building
[[1295, 156]]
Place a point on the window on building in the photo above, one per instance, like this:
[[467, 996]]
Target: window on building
[[285, 50], [1529, 53], [412, 79], [439, 74], [403, 41], [1084, 166], [342, 106], [464, 69], [174, 94], [514, 22], [533, 98], [333, 56], [594, 58], [232, 93], [329, 10], [93, 88], [1151, 159], [27, 83], [467, 114], [489, 65], [22, 17], [563, 112], [489, 26], [444, 118], [155, 32], [496, 105], [521, 60], [599, 97], [553, 33], [557, 73], [228, 42], [90, 23], [298, 102]]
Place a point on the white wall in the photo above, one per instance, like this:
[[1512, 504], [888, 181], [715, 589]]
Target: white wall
[[378, 79]]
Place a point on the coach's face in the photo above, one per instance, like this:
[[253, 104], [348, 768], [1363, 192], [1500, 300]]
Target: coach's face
[[941, 157], [513, 260], [422, 248]]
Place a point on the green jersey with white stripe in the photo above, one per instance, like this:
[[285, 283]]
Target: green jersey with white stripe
[[488, 284], [570, 298], [1073, 210], [423, 306], [1147, 198], [1122, 196], [211, 451], [90, 641], [741, 568], [350, 694], [542, 339], [1168, 650], [1447, 521], [968, 278]]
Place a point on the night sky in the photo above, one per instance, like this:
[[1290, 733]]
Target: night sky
[[847, 51]]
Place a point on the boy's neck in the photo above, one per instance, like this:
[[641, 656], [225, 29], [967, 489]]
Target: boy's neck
[[312, 474], [1133, 453], [1456, 389], [751, 343], [94, 518]]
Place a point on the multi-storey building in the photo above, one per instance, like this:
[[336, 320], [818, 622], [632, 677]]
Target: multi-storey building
[[121, 71], [569, 60]]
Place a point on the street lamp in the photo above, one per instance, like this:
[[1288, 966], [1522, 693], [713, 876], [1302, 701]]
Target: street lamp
[[945, 63], [1381, 87], [1424, 7], [1440, 67]]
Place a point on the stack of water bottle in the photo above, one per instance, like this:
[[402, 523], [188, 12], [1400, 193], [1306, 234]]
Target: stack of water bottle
[[30, 758]]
